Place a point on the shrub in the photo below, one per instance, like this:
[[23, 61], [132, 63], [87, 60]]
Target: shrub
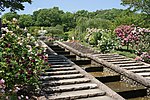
[[107, 42], [144, 44], [126, 35], [92, 36], [129, 34], [21, 60], [145, 57]]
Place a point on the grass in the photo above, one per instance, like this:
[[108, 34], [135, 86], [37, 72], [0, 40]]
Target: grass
[[124, 53], [127, 53]]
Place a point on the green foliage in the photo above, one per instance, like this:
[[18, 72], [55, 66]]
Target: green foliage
[[83, 23], [98, 23], [107, 42], [9, 16], [82, 13], [34, 30], [109, 14], [49, 17], [12, 4], [82, 19], [124, 53], [65, 37], [128, 17], [21, 60], [43, 18], [56, 31], [35, 14], [81, 26], [70, 34], [94, 38], [138, 5], [25, 21], [68, 21]]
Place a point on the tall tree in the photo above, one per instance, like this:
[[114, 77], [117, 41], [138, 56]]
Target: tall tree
[[12, 4], [49, 17], [82, 13], [68, 21], [138, 5], [128, 17], [9, 16], [25, 20], [109, 14]]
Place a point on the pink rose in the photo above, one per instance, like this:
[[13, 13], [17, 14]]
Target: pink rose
[[2, 82]]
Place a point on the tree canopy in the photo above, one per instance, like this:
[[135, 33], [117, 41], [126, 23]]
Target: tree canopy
[[80, 20], [25, 20], [48, 17], [10, 15], [13, 4], [138, 5]]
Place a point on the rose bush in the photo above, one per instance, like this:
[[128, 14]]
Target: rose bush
[[126, 34], [22, 61], [129, 34], [144, 56], [138, 38]]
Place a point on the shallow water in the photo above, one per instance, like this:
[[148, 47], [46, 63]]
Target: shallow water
[[96, 74], [122, 86]]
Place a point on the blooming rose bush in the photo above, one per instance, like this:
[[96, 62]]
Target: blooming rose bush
[[145, 57], [22, 61], [129, 34], [138, 38]]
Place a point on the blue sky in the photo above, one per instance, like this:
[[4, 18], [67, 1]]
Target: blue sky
[[71, 5]]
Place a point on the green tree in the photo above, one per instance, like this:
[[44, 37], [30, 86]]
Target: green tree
[[138, 5], [98, 23], [128, 17], [9, 16], [43, 18], [56, 31], [68, 21], [82, 13], [35, 14], [49, 17], [109, 14], [81, 26], [25, 20], [12, 4]]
